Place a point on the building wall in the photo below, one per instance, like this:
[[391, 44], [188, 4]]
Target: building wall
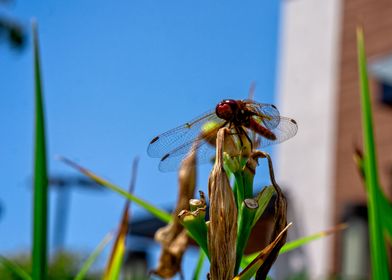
[[307, 89], [376, 19]]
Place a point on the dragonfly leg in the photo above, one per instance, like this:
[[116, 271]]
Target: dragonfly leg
[[240, 130]]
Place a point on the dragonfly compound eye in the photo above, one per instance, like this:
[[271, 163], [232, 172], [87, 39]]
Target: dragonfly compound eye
[[226, 109]]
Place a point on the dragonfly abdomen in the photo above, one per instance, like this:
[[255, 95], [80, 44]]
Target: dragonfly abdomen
[[261, 130]]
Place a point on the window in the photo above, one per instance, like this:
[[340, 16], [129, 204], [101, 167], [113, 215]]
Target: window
[[386, 94], [381, 70]]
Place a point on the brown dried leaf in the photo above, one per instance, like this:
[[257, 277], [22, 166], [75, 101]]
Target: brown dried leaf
[[262, 257]]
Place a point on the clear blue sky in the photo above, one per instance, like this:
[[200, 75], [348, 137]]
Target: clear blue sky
[[115, 75]]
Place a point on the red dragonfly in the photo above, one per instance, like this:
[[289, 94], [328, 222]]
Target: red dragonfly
[[241, 116]]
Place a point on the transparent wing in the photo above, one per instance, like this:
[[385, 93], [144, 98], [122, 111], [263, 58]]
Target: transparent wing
[[205, 152], [269, 113], [285, 129], [181, 137]]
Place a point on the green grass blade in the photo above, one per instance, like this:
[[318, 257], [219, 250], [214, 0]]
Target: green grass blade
[[94, 255], [378, 251], [158, 213], [384, 204], [199, 265], [14, 268], [39, 254], [113, 268], [289, 246], [386, 207]]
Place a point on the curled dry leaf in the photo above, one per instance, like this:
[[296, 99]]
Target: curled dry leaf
[[222, 230], [280, 217], [198, 203], [173, 237]]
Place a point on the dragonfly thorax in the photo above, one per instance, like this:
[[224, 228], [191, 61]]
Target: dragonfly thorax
[[232, 111]]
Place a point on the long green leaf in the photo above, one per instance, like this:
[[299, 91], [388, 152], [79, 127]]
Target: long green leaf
[[39, 254], [94, 255], [14, 268], [158, 213], [378, 252]]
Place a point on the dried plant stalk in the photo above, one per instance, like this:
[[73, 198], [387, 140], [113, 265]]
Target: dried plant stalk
[[173, 237], [222, 230]]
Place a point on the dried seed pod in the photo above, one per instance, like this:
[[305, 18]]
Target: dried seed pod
[[171, 256], [222, 229], [173, 237]]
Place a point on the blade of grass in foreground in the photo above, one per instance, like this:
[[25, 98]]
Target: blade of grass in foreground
[[39, 254], [112, 271], [158, 213], [384, 204], [113, 268], [199, 265], [91, 259], [379, 259], [14, 268], [289, 246]]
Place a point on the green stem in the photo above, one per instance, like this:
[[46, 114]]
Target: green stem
[[245, 220], [247, 179], [239, 187], [197, 229]]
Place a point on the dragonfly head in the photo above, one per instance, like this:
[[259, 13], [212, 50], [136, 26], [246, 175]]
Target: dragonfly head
[[226, 109]]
